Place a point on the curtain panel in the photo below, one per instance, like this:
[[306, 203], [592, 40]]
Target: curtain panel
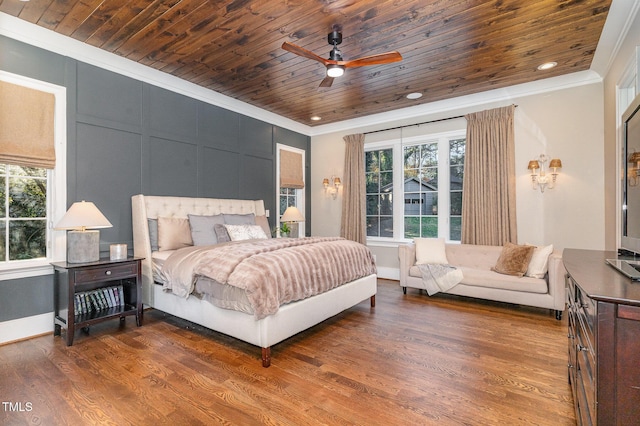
[[353, 190], [489, 195], [291, 170], [26, 126]]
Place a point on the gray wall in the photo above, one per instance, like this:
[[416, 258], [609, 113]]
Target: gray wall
[[127, 137]]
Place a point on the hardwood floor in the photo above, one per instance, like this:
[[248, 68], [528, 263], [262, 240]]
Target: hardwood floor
[[410, 360]]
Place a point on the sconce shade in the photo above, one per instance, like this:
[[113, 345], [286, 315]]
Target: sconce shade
[[533, 164], [292, 214], [555, 163], [337, 181], [82, 245], [83, 215], [325, 182], [635, 157]]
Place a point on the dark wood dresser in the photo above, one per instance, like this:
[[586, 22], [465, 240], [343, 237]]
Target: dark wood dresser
[[604, 339]]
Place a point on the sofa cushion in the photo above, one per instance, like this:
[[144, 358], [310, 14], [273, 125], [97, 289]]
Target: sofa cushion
[[514, 259], [430, 250], [489, 279]]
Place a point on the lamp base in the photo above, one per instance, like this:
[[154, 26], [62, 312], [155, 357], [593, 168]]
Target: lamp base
[[83, 246]]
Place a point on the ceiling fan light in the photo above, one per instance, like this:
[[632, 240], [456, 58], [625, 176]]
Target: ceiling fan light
[[334, 71]]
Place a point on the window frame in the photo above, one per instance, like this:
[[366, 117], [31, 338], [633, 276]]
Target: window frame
[[56, 186], [398, 144]]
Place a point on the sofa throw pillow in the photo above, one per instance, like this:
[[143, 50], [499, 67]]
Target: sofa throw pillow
[[514, 259], [245, 232], [539, 263], [173, 233], [430, 250], [202, 232], [221, 233]]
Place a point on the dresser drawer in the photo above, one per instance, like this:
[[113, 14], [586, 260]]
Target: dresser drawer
[[112, 272]]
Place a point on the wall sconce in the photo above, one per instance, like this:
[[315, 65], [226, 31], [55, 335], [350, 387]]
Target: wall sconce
[[331, 186], [632, 174], [539, 179]]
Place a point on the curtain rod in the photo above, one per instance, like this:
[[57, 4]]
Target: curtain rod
[[417, 124]]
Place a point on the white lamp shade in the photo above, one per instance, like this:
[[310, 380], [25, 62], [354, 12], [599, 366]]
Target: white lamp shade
[[83, 215], [292, 214]]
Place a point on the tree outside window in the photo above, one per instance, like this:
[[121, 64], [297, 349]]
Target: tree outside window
[[23, 213]]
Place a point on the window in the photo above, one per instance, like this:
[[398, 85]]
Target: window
[[291, 189], [33, 199], [379, 184], [23, 213], [430, 187]]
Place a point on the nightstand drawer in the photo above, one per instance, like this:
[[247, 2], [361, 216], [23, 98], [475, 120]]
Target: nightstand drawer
[[112, 272]]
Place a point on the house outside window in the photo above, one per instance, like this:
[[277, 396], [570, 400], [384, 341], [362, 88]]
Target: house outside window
[[426, 174]]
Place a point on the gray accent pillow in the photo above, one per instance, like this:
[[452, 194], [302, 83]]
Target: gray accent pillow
[[153, 233], [240, 219], [221, 233], [202, 229]]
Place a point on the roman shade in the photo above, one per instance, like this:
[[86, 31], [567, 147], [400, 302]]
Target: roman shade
[[26, 126], [291, 170]]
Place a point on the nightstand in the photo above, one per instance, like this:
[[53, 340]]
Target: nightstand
[[90, 293]]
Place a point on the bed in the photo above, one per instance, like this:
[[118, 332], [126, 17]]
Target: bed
[[263, 331]]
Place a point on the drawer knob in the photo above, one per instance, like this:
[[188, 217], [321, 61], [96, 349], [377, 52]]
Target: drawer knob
[[108, 272], [583, 348]]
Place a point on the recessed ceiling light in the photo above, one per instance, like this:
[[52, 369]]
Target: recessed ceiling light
[[547, 66], [414, 95], [316, 118]]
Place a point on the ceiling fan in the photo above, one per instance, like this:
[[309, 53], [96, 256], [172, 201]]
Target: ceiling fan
[[335, 65]]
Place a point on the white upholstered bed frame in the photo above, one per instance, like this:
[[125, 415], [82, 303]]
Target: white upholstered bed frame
[[290, 319]]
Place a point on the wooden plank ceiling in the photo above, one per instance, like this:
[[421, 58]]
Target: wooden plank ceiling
[[450, 47]]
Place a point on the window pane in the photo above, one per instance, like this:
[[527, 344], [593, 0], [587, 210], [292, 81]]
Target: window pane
[[455, 229], [386, 204], [429, 227], [411, 227], [372, 227], [429, 177], [27, 171], [372, 183], [27, 239], [372, 163], [28, 197], [429, 155], [3, 194], [3, 241], [430, 203], [386, 181], [373, 205], [283, 204], [456, 151], [456, 203], [386, 160], [386, 226]]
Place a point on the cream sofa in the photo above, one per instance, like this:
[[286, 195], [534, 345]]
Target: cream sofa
[[475, 262]]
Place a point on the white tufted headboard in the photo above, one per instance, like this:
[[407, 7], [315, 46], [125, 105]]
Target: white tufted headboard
[[145, 207]]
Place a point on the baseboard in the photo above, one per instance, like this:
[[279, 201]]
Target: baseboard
[[24, 328], [389, 273]]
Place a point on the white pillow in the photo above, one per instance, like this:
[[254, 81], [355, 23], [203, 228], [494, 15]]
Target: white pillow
[[245, 232], [539, 263], [430, 250]]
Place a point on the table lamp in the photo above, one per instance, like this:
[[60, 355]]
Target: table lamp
[[83, 239], [291, 215]]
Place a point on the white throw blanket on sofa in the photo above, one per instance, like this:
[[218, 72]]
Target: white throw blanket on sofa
[[438, 277]]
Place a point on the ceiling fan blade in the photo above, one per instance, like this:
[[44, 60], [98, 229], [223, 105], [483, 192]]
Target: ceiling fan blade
[[301, 51], [327, 82], [382, 58]]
